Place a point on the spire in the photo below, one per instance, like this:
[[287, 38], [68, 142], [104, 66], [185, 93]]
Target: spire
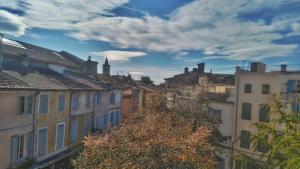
[[106, 61]]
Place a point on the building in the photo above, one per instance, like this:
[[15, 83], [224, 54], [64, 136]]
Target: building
[[106, 68], [49, 101], [253, 89]]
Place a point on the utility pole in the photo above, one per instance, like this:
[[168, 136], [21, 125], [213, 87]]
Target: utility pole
[[1, 44]]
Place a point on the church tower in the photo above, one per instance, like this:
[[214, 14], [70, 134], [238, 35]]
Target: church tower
[[106, 68]]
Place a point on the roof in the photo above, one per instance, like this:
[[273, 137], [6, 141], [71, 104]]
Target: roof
[[9, 82]]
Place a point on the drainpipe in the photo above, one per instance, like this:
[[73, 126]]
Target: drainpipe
[[236, 112], [70, 117], [34, 123]]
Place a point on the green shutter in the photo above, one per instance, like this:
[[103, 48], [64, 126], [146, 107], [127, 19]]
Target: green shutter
[[245, 139], [263, 113], [246, 111]]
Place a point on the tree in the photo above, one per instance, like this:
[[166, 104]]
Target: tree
[[279, 139], [150, 140]]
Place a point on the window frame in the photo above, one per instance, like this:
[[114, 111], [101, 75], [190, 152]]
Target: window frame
[[38, 141], [243, 113], [263, 89], [242, 142], [48, 103], [58, 102], [64, 135], [248, 88]]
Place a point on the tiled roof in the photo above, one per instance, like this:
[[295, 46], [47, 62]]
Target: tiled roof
[[9, 82]]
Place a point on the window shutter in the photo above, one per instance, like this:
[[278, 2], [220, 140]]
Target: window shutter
[[263, 113], [246, 111], [44, 100], [245, 139], [74, 129], [87, 125], [60, 136], [30, 104], [102, 121], [21, 105], [14, 149], [61, 103], [30, 145], [43, 143], [117, 117], [290, 86]]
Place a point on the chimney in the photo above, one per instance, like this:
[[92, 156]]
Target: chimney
[[201, 67], [186, 70], [258, 67], [283, 68]]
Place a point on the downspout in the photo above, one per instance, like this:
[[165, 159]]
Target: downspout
[[70, 117], [34, 123], [236, 112]]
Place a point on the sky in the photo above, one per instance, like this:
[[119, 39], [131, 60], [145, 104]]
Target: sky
[[158, 38]]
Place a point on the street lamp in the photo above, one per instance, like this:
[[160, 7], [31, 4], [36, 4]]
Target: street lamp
[[1, 56]]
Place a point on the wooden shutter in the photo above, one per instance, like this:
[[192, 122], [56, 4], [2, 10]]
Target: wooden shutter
[[42, 142], [246, 111], [245, 139], [22, 105], [74, 129], [30, 104], [30, 145], [61, 103], [44, 101], [60, 129], [14, 148]]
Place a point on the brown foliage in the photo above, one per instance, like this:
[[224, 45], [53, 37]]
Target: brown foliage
[[150, 140]]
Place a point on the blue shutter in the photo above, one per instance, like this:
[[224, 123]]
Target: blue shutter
[[109, 119], [44, 100], [14, 148], [30, 144], [30, 105], [102, 121], [74, 130], [115, 119], [43, 142], [290, 86], [60, 136]]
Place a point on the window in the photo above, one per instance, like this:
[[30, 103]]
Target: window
[[60, 136], [88, 100], [22, 105], [117, 98], [261, 146], [26, 105], [118, 117], [105, 120], [112, 119], [87, 124], [264, 113], [248, 88], [74, 129], [75, 101], [112, 98], [265, 89], [30, 104], [61, 103], [217, 115], [17, 148], [245, 139], [246, 111], [30, 144], [43, 142], [44, 101], [98, 98]]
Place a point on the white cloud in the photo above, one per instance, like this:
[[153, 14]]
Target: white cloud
[[118, 55], [11, 24], [212, 26]]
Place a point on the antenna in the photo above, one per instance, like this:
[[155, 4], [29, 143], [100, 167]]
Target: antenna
[[1, 56]]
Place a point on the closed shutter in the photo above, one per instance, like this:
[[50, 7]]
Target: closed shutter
[[110, 118], [14, 149], [264, 113], [60, 129], [117, 117], [87, 125], [245, 139], [21, 105], [246, 111], [43, 142], [290, 86], [30, 145], [44, 100], [102, 121], [61, 103], [30, 104], [74, 130]]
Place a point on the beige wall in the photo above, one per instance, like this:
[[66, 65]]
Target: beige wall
[[51, 119], [276, 80], [11, 123]]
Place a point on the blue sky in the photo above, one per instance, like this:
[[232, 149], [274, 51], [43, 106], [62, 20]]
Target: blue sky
[[160, 37]]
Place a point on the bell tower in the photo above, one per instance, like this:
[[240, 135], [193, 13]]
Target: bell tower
[[106, 68]]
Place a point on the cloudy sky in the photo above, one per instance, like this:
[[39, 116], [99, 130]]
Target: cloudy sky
[[160, 37]]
